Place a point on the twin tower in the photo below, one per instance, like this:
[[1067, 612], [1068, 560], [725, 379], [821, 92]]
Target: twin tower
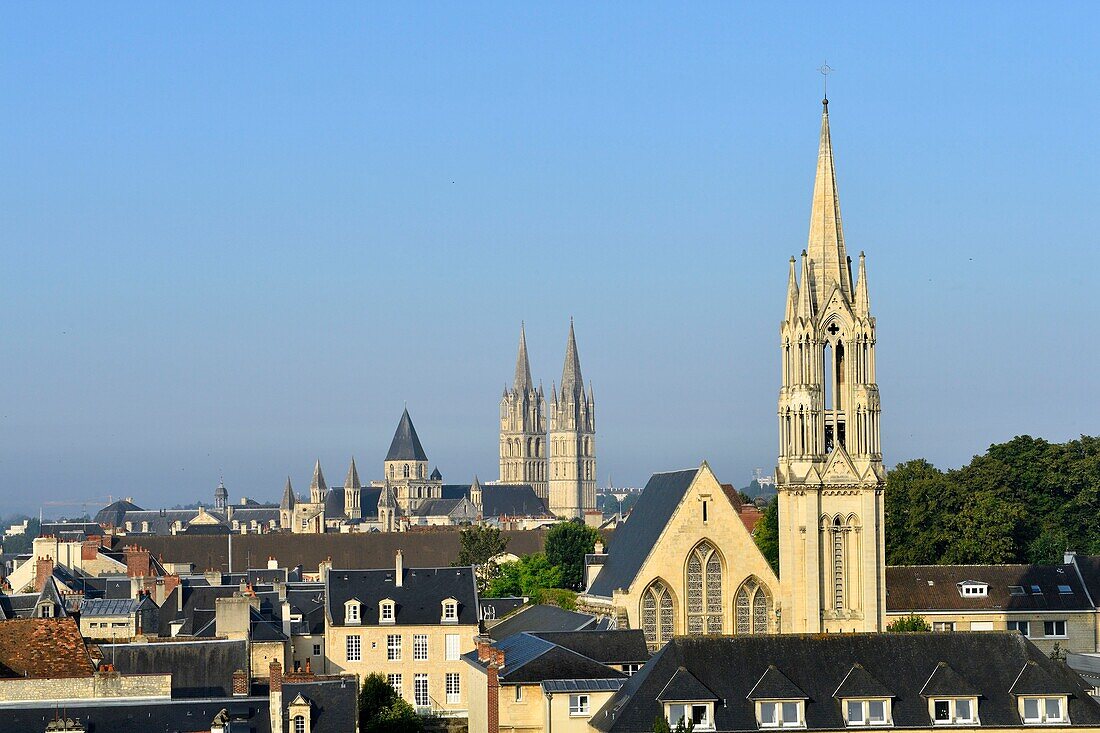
[[561, 466]]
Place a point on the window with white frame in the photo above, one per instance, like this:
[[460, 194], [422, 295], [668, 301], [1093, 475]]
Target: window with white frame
[[630, 669], [394, 681], [954, 710], [1024, 627], [519, 693], [420, 690], [351, 612], [981, 625], [450, 611], [353, 649], [697, 715], [1054, 628], [578, 704], [393, 647], [973, 589], [943, 625], [386, 612], [452, 647], [453, 688], [1039, 710], [871, 712], [780, 714], [420, 647], [299, 724]]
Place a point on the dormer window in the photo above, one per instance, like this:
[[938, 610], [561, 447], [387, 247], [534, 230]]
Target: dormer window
[[695, 715], [387, 612], [781, 713], [874, 712], [1042, 710], [973, 589], [450, 611], [353, 612], [954, 710]]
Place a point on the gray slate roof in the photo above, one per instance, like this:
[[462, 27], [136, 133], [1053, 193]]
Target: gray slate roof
[[542, 618], [529, 659], [406, 444], [935, 588], [333, 704], [93, 607], [418, 600], [635, 539], [988, 663], [198, 668], [626, 646]]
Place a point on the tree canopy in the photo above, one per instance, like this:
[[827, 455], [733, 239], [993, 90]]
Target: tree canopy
[[382, 710], [477, 545], [566, 545]]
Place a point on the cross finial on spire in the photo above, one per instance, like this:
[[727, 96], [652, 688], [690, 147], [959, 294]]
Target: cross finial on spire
[[825, 70]]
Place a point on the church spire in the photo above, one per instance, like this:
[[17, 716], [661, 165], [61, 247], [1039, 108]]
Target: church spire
[[792, 295], [572, 384], [317, 487], [289, 500], [352, 480], [826, 242], [862, 300], [523, 366], [805, 293]]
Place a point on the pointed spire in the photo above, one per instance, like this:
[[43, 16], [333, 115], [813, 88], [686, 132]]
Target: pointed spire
[[318, 482], [805, 297], [352, 480], [523, 367], [405, 445], [572, 384], [826, 241], [289, 500], [386, 498], [862, 300], [792, 295]]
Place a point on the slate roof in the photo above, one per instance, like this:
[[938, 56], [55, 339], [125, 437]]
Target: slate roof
[[19, 605], [333, 703], [861, 683], [730, 666], [935, 588], [595, 685], [418, 600], [40, 648], [309, 601], [95, 607], [512, 500], [529, 659], [685, 686], [406, 444], [773, 685], [1036, 680], [143, 716], [113, 514], [626, 646], [199, 668], [541, 618], [500, 607], [946, 681], [334, 504], [1089, 567], [636, 537]]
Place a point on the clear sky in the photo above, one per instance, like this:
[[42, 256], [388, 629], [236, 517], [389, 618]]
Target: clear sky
[[237, 237]]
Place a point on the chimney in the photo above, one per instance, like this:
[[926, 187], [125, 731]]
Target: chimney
[[240, 683], [492, 699], [323, 567], [43, 569], [89, 550], [272, 563], [276, 676], [137, 562], [213, 577], [275, 697], [171, 582], [285, 613], [399, 570], [598, 549], [1070, 557], [484, 649]]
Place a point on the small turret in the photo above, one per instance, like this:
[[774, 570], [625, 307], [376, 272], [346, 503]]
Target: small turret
[[317, 487], [792, 294], [805, 293], [862, 304], [475, 494]]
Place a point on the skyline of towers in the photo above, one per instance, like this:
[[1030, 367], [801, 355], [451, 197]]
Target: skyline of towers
[[829, 475]]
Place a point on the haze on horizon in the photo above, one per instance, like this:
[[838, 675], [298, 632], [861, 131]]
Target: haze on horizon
[[239, 238]]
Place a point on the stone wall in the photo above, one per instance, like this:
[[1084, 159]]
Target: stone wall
[[100, 686]]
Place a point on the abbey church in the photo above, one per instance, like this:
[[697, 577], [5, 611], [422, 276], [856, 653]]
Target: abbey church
[[685, 564]]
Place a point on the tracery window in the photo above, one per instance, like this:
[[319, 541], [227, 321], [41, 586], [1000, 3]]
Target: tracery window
[[704, 590], [752, 608], [658, 614]]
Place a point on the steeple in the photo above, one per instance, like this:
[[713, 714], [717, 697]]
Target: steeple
[[523, 368], [862, 300], [828, 259], [317, 487], [289, 500], [805, 293], [406, 443], [352, 480], [792, 294], [572, 384]]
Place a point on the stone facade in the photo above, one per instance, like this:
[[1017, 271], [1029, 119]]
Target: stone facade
[[830, 476], [523, 428], [572, 470], [101, 685]]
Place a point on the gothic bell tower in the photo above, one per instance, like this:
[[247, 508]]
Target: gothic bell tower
[[572, 466], [829, 476], [523, 428]]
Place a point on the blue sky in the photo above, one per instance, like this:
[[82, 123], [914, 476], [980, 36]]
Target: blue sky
[[236, 238]]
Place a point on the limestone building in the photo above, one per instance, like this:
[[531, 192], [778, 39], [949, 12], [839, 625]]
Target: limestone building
[[523, 428], [830, 477], [572, 475]]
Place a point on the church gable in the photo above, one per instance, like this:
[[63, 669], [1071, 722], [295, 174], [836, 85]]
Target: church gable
[[840, 470]]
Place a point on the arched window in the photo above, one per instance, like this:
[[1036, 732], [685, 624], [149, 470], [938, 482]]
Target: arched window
[[658, 615], [752, 608], [391, 471], [406, 470], [299, 724], [704, 590]]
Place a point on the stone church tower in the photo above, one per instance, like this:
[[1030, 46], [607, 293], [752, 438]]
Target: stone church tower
[[830, 476], [572, 440], [523, 429]]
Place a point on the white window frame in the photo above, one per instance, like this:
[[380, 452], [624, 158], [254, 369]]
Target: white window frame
[[353, 648], [579, 705], [394, 680], [1015, 626], [450, 612], [1042, 703], [420, 647], [519, 693], [1054, 623], [453, 647], [393, 648], [865, 720], [420, 685], [353, 613], [387, 612], [981, 626], [778, 708], [952, 710], [674, 711], [943, 626], [299, 724], [973, 590], [452, 683]]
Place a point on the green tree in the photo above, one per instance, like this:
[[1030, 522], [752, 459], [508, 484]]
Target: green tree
[[660, 725], [912, 622], [382, 710], [985, 531], [477, 546], [527, 576], [566, 545], [766, 534]]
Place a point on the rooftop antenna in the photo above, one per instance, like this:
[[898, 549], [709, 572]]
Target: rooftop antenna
[[825, 70]]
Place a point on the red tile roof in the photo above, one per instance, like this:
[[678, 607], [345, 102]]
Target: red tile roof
[[43, 648]]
